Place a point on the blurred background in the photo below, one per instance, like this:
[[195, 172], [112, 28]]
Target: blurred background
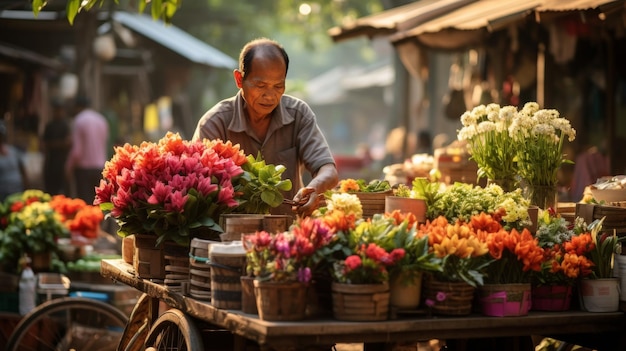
[[388, 79]]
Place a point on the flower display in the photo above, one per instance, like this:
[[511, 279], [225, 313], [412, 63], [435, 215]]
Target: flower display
[[173, 188], [565, 248], [461, 250], [28, 225], [289, 255], [538, 136], [515, 255], [603, 249], [79, 217], [486, 130], [417, 256], [350, 185], [261, 186], [508, 144], [461, 201]]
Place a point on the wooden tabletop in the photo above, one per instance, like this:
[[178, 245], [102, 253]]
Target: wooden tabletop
[[282, 335]]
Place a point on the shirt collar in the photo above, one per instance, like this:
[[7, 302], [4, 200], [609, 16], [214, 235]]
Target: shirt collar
[[280, 116]]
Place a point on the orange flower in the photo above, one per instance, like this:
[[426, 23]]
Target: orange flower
[[399, 217], [348, 185]]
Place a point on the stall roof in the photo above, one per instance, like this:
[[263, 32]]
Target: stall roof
[[15, 52], [453, 24], [175, 39], [395, 19]]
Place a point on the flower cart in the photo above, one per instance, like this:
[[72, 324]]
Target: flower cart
[[239, 330]]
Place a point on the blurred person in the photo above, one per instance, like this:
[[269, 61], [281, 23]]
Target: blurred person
[[13, 177], [90, 136], [589, 166], [261, 118], [424, 143], [56, 143]]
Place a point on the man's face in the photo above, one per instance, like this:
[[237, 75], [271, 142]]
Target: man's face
[[263, 86]]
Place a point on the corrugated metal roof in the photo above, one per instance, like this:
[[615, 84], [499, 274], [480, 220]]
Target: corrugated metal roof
[[29, 56], [478, 15], [176, 40], [572, 5], [395, 19], [446, 26]]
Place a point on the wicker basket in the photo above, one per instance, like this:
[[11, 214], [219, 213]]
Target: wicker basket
[[278, 301], [360, 302], [373, 202], [449, 298]]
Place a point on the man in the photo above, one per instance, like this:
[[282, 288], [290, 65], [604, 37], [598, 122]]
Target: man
[[90, 133], [283, 128], [56, 142]]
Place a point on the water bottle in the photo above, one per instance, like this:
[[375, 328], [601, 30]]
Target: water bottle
[[27, 293]]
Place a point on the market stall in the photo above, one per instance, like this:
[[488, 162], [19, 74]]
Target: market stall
[[327, 331]]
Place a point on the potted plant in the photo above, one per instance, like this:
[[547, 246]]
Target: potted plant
[[398, 230], [172, 189], [565, 262], [409, 200], [604, 246], [281, 264], [460, 201], [261, 186], [514, 257], [371, 194], [30, 226], [462, 253]]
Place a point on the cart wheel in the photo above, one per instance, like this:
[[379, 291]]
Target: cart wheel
[[174, 331], [69, 323], [138, 326]]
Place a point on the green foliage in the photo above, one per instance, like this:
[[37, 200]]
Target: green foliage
[[159, 9], [606, 246], [262, 186]]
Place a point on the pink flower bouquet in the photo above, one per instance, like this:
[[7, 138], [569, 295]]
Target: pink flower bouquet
[[174, 188]]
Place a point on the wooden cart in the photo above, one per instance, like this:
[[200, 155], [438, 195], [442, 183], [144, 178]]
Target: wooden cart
[[235, 330]]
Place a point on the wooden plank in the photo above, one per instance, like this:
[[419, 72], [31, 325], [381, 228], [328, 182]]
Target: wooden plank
[[286, 335]]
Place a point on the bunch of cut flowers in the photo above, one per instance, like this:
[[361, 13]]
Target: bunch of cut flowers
[[81, 219], [566, 247], [461, 250], [174, 189], [286, 256], [486, 130], [538, 136], [514, 255]]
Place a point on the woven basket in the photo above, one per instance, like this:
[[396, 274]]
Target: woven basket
[[551, 297], [373, 202], [449, 298], [360, 302], [277, 301]]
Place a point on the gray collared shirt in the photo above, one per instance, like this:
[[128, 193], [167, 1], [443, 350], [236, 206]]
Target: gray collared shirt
[[293, 139]]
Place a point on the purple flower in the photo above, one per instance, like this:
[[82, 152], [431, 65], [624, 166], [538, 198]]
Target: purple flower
[[430, 302], [441, 296], [304, 275]]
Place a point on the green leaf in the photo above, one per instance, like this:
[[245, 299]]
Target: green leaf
[[72, 8]]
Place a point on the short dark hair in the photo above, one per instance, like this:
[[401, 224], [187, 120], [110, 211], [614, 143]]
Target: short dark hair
[[250, 49]]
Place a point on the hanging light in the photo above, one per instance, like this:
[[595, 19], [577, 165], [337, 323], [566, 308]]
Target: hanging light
[[104, 47]]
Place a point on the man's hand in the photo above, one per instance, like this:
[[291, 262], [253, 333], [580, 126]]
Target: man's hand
[[305, 202]]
